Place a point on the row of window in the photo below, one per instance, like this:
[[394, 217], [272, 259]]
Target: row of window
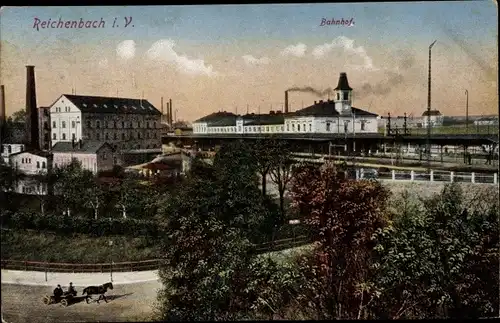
[[107, 136], [38, 164], [66, 109], [114, 124], [278, 128]]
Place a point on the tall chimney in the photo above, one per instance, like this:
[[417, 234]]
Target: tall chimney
[[32, 139], [286, 101], [2, 113], [171, 115], [162, 106], [167, 116]]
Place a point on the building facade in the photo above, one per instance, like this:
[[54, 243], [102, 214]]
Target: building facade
[[9, 149], [31, 162], [331, 116], [44, 128], [127, 124], [436, 118], [94, 156]]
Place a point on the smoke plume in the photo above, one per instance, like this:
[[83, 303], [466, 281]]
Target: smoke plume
[[309, 89], [404, 63]]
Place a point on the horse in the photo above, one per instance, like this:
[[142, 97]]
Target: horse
[[97, 290]]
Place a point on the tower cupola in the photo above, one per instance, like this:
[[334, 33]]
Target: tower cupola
[[343, 95]]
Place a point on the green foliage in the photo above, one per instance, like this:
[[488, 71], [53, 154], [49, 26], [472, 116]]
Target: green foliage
[[439, 259], [210, 222]]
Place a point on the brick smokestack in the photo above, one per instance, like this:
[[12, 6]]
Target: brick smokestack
[[286, 101], [32, 140], [2, 112], [170, 112]]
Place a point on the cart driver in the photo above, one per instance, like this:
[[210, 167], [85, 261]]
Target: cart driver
[[58, 292], [71, 289]]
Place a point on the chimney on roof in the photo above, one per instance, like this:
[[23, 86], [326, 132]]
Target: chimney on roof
[[162, 106], [32, 139], [2, 112], [286, 101], [170, 112]]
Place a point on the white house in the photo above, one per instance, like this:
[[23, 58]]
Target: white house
[[9, 149], [492, 121], [95, 156], [128, 124], [31, 162], [330, 116], [436, 118]]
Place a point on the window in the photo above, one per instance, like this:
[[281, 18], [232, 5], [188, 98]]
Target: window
[[338, 96], [107, 136], [115, 136], [54, 125], [154, 135], [123, 136], [131, 125], [138, 124], [287, 127], [9, 149], [138, 135], [63, 124], [346, 126], [98, 136], [293, 127], [328, 126], [89, 124], [29, 160], [44, 165], [104, 157], [298, 127], [154, 124], [73, 136], [267, 128], [54, 136], [304, 127], [114, 124], [123, 124], [37, 164], [22, 160], [346, 95], [362, 125], [147, 124], [73, 124], [97, 124], [310, 127], [282, 128], [63, 136]]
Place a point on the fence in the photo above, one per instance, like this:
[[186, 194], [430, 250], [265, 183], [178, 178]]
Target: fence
[[145, 265]]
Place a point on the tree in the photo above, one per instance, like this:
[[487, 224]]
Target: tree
[[281, 172], [9, 177], [93, 193], [127, 194], [345, 215], [210, 222], [439, 259], [263, 158], [19, 116], [43, 181]]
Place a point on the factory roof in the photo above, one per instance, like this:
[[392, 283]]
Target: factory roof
[[87, 147], [100, 104], [327, 109], [217, 116]]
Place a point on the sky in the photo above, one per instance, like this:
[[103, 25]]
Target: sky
[[241, 58]]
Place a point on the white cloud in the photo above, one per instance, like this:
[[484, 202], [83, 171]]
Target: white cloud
[[164, 50], [298, 50], [250, 60], [348, 46], [126, 49]]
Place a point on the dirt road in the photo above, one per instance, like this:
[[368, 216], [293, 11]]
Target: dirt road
[[133, 302]]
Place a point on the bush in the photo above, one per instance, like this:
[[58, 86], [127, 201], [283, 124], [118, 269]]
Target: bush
[[69, 225]]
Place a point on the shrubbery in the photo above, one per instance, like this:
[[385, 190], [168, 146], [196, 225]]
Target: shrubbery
[[68, 225]]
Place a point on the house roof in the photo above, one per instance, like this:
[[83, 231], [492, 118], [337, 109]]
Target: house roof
[[88, 147], [100, 104], [327, 109], [217, 116], [432, 113], [343, 83], [40, 153], [264, 119]]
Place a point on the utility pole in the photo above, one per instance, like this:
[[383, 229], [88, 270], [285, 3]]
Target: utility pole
[[429, 112], [467, 112]]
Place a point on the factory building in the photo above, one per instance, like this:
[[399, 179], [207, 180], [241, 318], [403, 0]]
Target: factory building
[[95, 156], [127, 124], [330, 116]]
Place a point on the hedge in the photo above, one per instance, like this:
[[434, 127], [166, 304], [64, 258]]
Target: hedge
[[83, 225]]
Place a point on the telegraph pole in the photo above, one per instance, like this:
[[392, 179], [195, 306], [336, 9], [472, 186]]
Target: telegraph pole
[[429, 112], [467, 112]]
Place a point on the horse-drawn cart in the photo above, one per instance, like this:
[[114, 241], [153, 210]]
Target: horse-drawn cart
[[64, 300]]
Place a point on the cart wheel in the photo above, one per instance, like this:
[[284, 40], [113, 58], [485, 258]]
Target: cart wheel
[[64, 302], [47, 300]]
